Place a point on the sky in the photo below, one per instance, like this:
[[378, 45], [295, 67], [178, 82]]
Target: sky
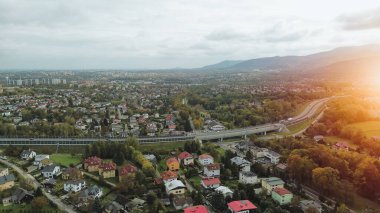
[[142, 34]]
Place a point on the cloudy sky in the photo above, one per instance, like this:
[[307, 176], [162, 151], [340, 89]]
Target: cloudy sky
[[134, 34]]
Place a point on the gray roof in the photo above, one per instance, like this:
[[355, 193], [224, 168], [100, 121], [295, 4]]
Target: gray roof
[[7, 178], [94, 189], [19, 194], [248, 174], [49, 168]]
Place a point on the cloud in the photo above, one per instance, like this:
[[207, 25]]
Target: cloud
[[163, 34], [225, 35], [360, 21]]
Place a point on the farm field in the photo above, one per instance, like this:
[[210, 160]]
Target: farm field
[[369, 128]]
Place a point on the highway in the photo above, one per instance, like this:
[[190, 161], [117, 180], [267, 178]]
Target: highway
[[309, 112]]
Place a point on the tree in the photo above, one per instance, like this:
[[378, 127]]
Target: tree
[[217, 201], [96, 207], [132, 141], [311, 209], [236, 195], [342, 209], [326, 178], [118, 158], [249, 155], [38, 192], [151, 198], [39, 202]]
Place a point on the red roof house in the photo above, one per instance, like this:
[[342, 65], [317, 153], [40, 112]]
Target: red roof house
[[210, 183], [108, 166], [126, 170], [241, 205], [281, 191], [92, 163], [167, 176], [342, 145], [186, 158], [196, 209]]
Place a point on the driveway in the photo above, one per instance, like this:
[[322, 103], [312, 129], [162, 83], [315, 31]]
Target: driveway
[[30, 179]]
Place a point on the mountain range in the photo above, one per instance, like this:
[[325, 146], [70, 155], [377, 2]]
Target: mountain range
[[322, 61]]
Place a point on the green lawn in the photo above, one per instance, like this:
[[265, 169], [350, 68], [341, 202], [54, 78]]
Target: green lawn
[[369, 128], [26, 208], [299, 127], [66, 159]]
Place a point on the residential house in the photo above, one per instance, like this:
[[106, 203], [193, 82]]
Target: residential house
[[186, 158], [27, 154], [273, 156], [242, 163], [212, 170], [342, 145], [282, 196], [107, 170], [136, 203], [196, 209], [39, 158], [74, 185], [45, 162], [225, 191], [126, 171], [241, 206], [4, 172], [181, 202], [50, 171], [271, 183], [152, 158], [20, 195], [72, 173], [205, 159], [90, 193], [92, 164], [247, 177], [216, 126], [172, 164], [168, 176], [318, 138], [258, 152], [7, 182], [151, 129], [306, 205], [175, 187], [210, 183], [119, 205]]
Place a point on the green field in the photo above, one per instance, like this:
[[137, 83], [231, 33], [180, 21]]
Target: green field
[[66, 159], [369, 128]]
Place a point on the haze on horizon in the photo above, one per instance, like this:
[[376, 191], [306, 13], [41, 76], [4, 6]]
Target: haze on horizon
[[141, 34]]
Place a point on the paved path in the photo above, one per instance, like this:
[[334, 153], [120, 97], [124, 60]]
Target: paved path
[[63, 207], [94, 177], [188, 185]]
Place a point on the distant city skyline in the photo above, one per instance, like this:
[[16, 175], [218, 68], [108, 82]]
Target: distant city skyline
[[140, 34]]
